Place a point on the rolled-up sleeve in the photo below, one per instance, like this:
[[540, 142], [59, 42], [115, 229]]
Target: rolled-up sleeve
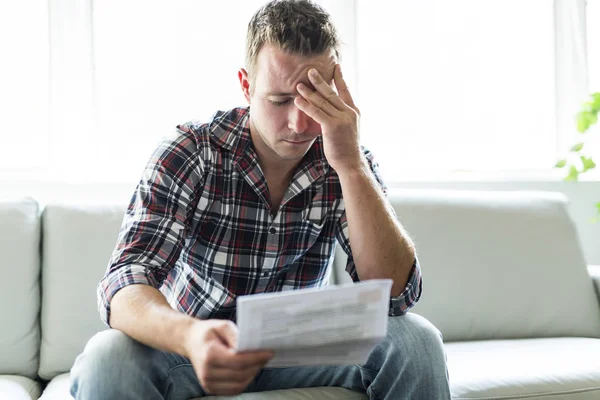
[[157, 219], [412, 292]]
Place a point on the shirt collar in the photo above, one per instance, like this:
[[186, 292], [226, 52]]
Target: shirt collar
[[231, 129]]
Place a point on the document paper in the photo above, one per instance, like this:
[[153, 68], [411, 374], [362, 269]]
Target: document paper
[[336, 325]]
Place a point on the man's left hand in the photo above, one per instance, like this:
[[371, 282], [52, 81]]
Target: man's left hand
[[338, 116]]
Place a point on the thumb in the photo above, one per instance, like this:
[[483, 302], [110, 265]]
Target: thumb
[[228, 333]]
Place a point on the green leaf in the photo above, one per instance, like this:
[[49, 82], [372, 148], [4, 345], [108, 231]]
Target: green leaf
[[582, 121], [573, 174], [588, 163], [598, 207], [577, 147], [592, 118], [596, 101], [561, 164], [588, 107]]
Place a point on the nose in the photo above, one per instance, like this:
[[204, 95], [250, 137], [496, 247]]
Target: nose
[[298, 120]]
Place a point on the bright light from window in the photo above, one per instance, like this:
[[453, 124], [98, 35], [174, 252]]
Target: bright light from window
[[593, 44], [159, 64], [592, 140], [463, 85], [23, 86]]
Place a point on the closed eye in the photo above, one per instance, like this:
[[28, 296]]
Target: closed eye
[[280, 103]]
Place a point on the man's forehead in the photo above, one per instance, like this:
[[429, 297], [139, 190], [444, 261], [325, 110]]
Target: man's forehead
[[280, 72]]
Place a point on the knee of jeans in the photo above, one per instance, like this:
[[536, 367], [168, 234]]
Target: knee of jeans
[[412, 333], [109, 352]]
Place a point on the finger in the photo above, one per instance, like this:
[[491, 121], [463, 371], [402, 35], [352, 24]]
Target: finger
[[317, 100], [325, 89], [228, 358], [315, 113], [342, 87], [226, 381], [244, 361], [220, 374]]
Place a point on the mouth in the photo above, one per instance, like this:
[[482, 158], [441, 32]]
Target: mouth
[[298, 142]]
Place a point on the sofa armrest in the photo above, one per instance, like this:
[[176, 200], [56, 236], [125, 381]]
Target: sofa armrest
[[594, 271]]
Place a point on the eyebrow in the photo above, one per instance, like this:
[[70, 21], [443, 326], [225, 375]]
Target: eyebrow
[[281, 94]]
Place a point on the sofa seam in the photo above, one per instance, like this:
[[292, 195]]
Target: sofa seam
[[31, 390]]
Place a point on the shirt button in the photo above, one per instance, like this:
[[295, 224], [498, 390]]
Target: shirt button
[[273, 231]]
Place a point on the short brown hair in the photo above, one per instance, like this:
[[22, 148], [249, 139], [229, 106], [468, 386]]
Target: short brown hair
[[296, 26]]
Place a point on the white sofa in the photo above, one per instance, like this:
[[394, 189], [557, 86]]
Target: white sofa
[[504, 280]]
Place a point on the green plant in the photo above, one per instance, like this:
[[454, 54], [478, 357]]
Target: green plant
[[577, 163]]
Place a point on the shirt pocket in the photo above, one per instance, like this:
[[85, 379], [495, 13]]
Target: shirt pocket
[[306, 255], [303, 238]]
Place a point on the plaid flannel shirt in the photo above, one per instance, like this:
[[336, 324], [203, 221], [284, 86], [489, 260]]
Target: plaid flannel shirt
[[199, 226]]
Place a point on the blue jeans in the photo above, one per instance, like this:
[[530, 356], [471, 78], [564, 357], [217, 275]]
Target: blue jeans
[[409, 364]]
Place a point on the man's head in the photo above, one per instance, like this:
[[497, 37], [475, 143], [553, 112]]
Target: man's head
[[285, 39], [298, 27]]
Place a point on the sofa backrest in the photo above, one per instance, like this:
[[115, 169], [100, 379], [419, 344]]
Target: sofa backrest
[[495, 265], [499, 264], [19, 287], [77, 243]]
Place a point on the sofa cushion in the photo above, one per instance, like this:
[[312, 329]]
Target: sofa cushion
[[78, 242], [13, 387], [540, 369], [58, 389], [317, 393], [499, 265], [19, 287]]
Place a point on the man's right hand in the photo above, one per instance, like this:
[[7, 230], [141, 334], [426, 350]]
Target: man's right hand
[[210, 346]]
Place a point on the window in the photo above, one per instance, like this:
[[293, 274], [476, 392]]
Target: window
[[592, 139], [159, 64], [24, 87], [90, 87], [462, 85], [593, 44]]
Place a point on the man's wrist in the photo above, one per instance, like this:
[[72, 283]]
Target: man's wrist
[[352, 170], [185, 332]]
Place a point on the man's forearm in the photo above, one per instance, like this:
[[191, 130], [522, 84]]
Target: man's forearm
[[142, 312], [380, 246]]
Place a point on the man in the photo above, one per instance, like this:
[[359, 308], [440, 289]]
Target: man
[[251, 202]]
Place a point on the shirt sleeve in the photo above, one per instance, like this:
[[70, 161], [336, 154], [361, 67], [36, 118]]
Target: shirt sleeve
[[157, 219], [412, 292]]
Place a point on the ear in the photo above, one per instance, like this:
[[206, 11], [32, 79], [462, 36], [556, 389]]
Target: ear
[[245, 83]]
